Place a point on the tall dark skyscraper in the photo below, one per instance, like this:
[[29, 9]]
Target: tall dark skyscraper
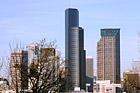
[[74, 48], [108, 55]]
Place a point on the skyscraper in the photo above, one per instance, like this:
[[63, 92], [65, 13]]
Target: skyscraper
[[74, 48], [108, 55], [32, 56], [19, 81], [89, 72]]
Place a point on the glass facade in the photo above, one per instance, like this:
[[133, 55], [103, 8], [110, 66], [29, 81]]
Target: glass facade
[[74, 48], [109, 32]]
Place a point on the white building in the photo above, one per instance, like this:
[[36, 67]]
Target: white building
[[31, 53], [136, 62], [105, 87]]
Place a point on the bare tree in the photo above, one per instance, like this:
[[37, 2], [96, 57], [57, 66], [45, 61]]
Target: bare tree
[[18, 64], [65, 81], [43, 73], [1, 63]]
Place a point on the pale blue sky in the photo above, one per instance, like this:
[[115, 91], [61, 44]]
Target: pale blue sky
[[32, 20]]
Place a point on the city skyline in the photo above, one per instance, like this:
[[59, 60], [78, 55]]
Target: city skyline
[[23, 19]]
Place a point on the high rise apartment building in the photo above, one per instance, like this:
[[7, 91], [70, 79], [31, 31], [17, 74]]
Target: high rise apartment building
[[74, 48], [108, 55], [89, 72], [18, 66]]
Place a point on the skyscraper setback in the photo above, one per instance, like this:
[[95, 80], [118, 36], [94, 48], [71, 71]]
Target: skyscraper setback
[[74, 48], [108, 55]]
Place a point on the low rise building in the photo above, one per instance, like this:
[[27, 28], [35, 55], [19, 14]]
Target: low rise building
[[105, 86]]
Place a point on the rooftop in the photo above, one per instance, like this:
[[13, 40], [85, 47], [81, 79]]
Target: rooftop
[[71, 8]]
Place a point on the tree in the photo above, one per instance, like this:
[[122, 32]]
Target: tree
[[66, 84], [1, 64], [131, 81], [42, 73]]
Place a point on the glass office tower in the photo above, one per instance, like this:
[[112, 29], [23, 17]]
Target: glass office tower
[[74, 48]]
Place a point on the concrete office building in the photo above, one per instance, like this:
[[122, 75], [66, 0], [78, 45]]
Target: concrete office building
[[89, 72], [108, 55], [74, 48], [19, 81]]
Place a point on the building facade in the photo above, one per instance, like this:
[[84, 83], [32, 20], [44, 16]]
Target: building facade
[[32, 56], [105, 86], [89, 72], [74, 48], [108, 55], [18, 66]]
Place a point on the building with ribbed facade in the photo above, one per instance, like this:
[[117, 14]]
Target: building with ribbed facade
[[108, 55], [18, 69], [74, 49]]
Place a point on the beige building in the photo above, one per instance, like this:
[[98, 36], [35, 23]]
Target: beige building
[[108, 55], [18, 65]]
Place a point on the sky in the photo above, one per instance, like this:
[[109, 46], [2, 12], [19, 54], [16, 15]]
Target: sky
[[29, 21]]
